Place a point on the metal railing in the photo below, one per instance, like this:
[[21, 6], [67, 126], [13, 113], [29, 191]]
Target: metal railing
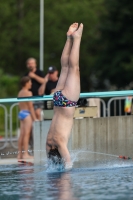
[[11, 123], [103, 109], [114, 94], [117, 109], [5, 126]]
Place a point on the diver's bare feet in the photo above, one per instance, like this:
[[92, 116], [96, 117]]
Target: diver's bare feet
[[72, 29], [27, 156], [78, 32]]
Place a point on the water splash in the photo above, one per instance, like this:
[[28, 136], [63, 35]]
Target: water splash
[[54, 166], [57, 164], [77, 152]]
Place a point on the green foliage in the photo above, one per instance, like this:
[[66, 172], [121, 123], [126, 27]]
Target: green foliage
[[58, 16], [115, 61], [19, 30], [9, 85], [107, 44]]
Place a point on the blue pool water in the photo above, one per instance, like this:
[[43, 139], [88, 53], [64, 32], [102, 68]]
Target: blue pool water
[[88, 180]]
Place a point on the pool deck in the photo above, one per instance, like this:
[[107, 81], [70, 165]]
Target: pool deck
[[11, 161]]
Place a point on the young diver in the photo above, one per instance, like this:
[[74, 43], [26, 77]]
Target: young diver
[[65, 99], [26, 116]]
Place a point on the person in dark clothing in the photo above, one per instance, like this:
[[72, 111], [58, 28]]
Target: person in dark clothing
[[49, 85], [37, 79], [50, 82]]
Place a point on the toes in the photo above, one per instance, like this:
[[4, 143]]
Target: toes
[[73, 27], [81, 26], [75, 24]]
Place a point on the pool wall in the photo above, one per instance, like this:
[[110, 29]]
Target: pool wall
[[111, 135]]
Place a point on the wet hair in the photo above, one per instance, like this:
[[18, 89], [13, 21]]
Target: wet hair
[[55, 156], [24, 80]]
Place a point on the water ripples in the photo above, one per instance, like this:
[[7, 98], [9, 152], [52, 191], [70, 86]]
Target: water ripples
[[92, 180]]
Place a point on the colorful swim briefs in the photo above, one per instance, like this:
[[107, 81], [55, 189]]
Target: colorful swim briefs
[[61, 101]]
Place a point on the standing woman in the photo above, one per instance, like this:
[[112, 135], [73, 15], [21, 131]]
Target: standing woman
[[65, 98]]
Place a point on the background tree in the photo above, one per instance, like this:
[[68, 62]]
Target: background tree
[[19, 30], [107, 44], [19, 34], [58, 16], [114, 66]]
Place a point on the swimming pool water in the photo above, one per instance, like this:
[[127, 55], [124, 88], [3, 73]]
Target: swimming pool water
[[111, 180]]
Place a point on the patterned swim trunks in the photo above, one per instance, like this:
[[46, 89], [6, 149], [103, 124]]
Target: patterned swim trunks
[[61, 101]]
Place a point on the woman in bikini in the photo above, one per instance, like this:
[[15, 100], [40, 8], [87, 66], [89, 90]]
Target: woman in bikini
[[65, 98]]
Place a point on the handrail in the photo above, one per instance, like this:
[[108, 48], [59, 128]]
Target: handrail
[[82, 95], [11, 108], [110, 101], [104, 107], [6, 128]]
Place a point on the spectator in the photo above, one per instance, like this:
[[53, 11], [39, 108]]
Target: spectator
[[26, 116], [50, 83], [37, 78]]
